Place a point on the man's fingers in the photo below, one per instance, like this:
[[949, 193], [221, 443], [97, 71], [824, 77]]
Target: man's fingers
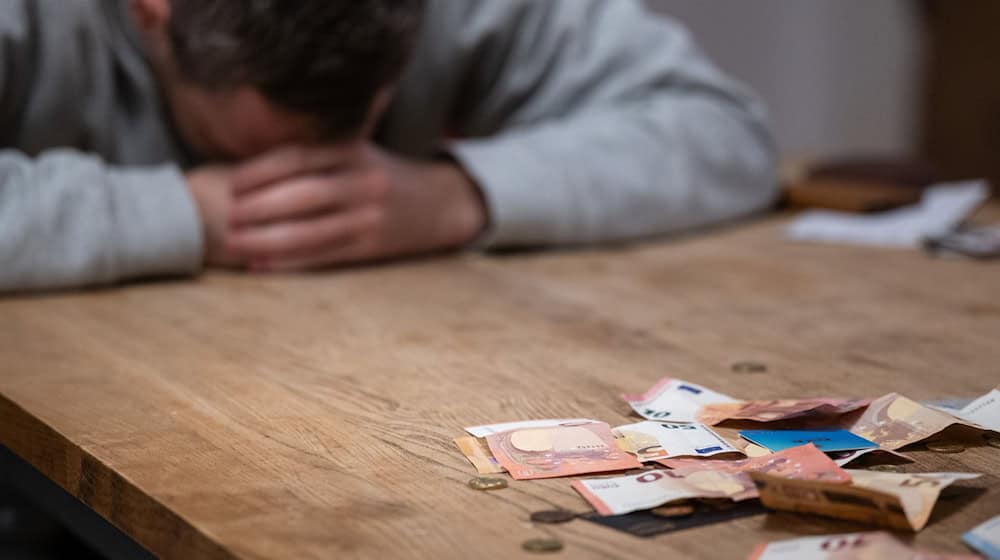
[[291, 239], [354, 250], [288, 161], [295, 198]]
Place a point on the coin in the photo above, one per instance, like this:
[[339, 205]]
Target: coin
[[886, 468], [749, 367], [487, 483], [542, 545], [993, 441], [678, 510], [553, 516], [945, 447]]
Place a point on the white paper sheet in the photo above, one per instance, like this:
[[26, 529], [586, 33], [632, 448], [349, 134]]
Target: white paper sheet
[[942, 208]]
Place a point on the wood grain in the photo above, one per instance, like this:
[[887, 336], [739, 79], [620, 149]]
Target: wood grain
[[313, 416]]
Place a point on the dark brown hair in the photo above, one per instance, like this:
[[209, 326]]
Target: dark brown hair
[[322, 58]]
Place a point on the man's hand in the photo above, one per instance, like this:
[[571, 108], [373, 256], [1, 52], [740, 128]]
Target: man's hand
[[302, 208], [212, 190]]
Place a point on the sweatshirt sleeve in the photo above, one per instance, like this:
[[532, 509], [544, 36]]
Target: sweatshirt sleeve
[[69, 220], [606, 123]]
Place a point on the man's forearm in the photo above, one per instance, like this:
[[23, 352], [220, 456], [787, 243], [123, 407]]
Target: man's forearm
[[645, 168], [68, 220]]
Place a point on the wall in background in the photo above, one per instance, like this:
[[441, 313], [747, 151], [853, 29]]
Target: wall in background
[[839, 78]]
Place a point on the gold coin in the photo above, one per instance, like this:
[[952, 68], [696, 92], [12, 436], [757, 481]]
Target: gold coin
[[487, 483], [886, 468], [542, 545], [946, 447], [678, 510], [993, 441]]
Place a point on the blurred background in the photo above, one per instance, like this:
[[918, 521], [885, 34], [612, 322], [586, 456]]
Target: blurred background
[[911, 79]]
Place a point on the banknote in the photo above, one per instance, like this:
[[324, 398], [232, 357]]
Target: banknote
[[875, 545], [895, 500], [563, 450], [674, 400], [774, 410], [894, 421], [625, 494], [650, 441], [483, 431], [983, 412], [477, 451], [985, 538], [648, 524], [804, 462]]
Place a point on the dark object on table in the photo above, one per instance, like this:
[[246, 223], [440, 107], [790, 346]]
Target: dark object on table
[[646, 524], [860, 184]]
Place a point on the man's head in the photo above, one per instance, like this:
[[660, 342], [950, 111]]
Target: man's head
[[244, 76]]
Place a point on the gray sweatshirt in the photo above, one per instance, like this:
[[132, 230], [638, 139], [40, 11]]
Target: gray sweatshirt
[[581, 120]]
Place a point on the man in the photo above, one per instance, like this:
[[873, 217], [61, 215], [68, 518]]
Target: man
[[153, 137]]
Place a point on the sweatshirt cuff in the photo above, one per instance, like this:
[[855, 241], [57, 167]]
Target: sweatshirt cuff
[[157, 229], [521, 195]]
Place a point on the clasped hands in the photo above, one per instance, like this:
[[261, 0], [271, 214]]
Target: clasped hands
[[307, 207]]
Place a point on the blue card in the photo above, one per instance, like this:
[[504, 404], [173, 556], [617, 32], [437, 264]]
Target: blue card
[[825, 440]]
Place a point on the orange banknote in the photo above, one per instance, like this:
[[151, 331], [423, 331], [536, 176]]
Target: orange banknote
[[804, 462], [563, 450]]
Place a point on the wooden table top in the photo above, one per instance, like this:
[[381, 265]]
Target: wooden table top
[[313, 416]]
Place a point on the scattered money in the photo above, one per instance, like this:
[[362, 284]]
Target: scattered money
[[650, 441], [939, 447], [478, 453], [648, 524], [674, 400], [895, 500], [542, 545], [561, 450], [804, 462], [774, 410], [487, 483], [985, 538], [749, 367], [491, 429], [704, 479], [553, 516], [850, 546]]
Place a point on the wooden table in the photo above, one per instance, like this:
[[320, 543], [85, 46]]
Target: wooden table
[[313, 416]]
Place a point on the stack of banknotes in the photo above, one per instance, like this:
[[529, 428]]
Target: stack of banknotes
[[673, 470]]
